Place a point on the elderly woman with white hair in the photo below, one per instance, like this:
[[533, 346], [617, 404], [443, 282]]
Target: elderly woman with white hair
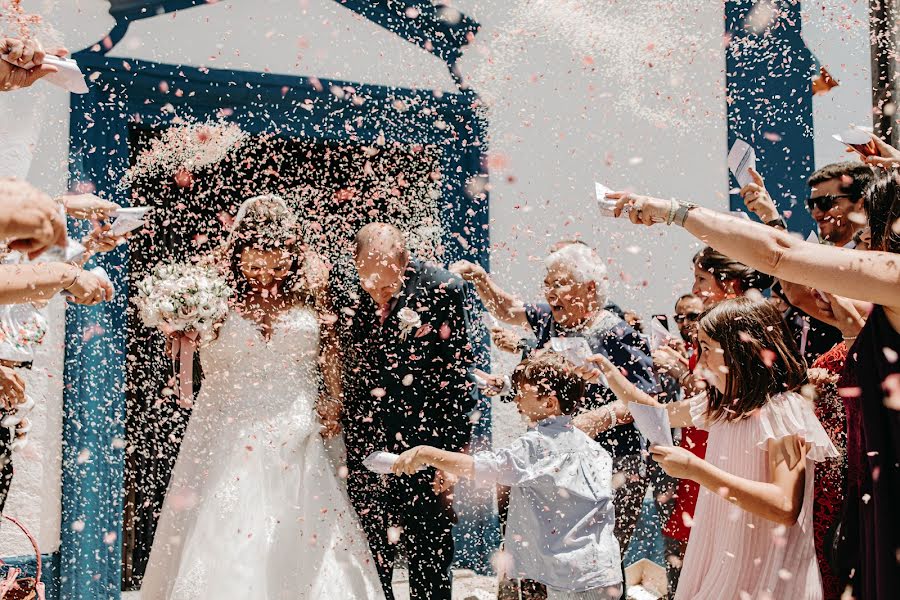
[[576, 289]]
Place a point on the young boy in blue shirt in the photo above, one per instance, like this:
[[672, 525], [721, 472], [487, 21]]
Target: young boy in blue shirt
[[560, 529]]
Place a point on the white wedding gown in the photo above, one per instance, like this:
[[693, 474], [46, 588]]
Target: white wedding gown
[[255, 510]]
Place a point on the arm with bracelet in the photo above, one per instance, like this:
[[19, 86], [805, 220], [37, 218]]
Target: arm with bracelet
[[872, 276]]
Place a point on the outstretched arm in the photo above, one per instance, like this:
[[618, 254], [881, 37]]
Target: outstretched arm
[[503, 305], [779, 499], [679, 412], [330, 405], [594, 422], [456, 463], [872, 276]]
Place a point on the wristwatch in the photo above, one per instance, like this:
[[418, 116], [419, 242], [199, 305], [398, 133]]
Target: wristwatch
[[682, 211], [778, 223]]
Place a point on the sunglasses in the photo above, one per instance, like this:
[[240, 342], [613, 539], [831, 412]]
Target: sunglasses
[[691, 316], [823, 203]]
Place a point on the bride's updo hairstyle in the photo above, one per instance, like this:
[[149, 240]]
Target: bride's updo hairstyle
[[266, 223], [759, 352]]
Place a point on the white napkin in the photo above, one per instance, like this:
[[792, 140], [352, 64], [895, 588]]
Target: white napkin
[[607, 206], [380, 462], [659, 335], [70, 253], [741, 158], [653, 422], [576, 349], [128, 219], [69, 76]]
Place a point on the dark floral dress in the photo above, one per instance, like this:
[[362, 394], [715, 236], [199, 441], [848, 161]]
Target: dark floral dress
[[831, 473]]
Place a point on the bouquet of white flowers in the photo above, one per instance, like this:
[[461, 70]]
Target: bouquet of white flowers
[[186, 302], [183, 297]]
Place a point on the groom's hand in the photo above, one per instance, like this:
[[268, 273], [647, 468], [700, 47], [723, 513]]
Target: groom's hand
[[443, 481]]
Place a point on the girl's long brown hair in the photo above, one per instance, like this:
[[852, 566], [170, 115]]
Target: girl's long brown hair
[[760, 354]]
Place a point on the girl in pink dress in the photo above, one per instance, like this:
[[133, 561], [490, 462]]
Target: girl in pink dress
[[752, 535]]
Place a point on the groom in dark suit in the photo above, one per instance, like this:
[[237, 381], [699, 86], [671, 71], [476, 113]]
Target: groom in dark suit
[[406, 360]]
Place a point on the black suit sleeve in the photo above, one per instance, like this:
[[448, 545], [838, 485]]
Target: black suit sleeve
[[458, 358]]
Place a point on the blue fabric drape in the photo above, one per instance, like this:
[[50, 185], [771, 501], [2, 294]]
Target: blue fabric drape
[[124, 91], [769, 76]]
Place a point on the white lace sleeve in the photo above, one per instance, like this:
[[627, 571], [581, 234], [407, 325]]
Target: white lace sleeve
[[792, 414]]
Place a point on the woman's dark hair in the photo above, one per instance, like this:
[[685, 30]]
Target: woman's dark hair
[[553, 375], [883, 211], [727, 269], [760, 354]]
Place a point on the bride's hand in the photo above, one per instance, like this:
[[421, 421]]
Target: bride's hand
[[330, 429], [330, 411]]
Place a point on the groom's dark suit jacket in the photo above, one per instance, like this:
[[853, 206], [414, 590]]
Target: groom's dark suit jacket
[[405, 389]]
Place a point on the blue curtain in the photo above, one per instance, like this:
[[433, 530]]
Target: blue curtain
[[124, 91]]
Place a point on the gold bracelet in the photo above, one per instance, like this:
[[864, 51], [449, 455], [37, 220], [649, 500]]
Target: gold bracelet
[[74, 280]]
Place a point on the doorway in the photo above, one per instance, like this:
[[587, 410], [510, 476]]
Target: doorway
[[334, 187]]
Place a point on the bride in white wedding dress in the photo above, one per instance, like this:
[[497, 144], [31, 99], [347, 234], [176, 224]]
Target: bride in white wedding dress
[[255, 510]]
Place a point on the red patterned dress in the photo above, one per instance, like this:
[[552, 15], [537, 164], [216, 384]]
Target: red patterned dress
[[830, 474], [678, 526]]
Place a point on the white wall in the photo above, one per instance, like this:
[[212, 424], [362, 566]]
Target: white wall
[[837, 32], [573, 100]]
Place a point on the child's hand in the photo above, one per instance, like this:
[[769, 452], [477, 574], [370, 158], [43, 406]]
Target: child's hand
[[675, 461], [409, 462]]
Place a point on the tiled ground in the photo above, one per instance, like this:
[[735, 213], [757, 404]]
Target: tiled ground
[[466, 586]]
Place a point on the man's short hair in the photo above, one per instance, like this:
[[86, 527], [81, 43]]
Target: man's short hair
[[688, 296], [855, 177], [552, 375]]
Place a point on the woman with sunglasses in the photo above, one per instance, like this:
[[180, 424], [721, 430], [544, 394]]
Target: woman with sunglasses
[[871, 375]]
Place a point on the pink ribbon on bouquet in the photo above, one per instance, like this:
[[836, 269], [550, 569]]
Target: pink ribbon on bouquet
[[184, 344]]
